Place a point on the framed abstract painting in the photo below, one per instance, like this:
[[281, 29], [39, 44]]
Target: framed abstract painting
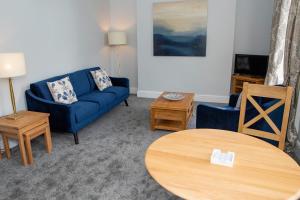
[[180, 28]]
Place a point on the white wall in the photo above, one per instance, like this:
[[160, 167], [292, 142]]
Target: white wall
[[209, 77], [123, 18], [56, 37], [253, 26], [240, 26]]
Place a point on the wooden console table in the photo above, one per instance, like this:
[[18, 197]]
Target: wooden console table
[[238, 81]]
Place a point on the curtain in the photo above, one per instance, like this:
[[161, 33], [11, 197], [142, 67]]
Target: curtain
[[292, 68], [275, 75], [284, 64]]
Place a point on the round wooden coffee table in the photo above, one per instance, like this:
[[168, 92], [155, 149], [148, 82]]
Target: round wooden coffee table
[[180, 162]]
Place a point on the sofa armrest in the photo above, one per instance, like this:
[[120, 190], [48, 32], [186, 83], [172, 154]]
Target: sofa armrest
[[225, 118], [62, 116], [123, 82]]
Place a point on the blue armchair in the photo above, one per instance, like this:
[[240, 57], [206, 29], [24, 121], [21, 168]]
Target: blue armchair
[[217, 117]]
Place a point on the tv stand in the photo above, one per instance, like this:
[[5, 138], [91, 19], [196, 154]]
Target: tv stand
[[239, 79]]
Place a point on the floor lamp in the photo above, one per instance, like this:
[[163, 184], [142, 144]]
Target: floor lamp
[[116, 39], [12, 65]]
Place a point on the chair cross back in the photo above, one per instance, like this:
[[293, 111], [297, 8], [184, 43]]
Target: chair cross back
[[283, 94]]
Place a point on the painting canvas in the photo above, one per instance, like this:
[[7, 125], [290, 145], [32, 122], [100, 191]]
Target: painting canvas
[[180, 28]]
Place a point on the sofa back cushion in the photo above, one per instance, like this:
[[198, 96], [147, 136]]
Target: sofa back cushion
[[80, 81], [41, 89]]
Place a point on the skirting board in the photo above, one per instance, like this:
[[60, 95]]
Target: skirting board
[[198, 97], [133, 90]]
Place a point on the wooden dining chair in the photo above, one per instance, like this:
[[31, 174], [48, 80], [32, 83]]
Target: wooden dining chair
[[284, 96]]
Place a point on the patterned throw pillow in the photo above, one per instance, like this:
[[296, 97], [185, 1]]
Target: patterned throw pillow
[[62, 91], [101, 79]]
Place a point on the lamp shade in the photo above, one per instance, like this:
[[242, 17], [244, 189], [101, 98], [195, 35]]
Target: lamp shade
[[12, 65], [117, 38]]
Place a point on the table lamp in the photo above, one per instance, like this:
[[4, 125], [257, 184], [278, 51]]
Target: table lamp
[[115, 39], [12, 65]]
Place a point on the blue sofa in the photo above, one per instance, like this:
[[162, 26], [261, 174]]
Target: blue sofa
[[91, 104], [227, 117]]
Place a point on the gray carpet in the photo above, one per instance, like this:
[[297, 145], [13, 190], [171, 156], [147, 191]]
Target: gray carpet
[[108, 163]]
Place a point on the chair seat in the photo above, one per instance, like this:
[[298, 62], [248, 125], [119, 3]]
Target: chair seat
[[117, 90], [101, 98], [84, 109]]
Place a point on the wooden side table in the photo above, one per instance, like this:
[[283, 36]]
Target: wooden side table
[[24, 129], [171, 115], [238, 81]]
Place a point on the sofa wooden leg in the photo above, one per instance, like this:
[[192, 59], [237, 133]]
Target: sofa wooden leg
[[126, 103], [76, 138]]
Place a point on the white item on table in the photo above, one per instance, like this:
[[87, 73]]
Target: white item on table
[[220, 158], [174, 96]]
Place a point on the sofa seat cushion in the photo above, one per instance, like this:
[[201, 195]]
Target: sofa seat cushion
[[118, 91], [84, 110], [101, 98]]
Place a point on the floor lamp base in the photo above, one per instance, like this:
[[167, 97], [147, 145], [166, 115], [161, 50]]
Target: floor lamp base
[[15, 116]]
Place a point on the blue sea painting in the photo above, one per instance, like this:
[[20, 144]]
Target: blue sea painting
[[180, 28]]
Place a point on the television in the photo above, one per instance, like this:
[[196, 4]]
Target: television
[[255, 65]]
